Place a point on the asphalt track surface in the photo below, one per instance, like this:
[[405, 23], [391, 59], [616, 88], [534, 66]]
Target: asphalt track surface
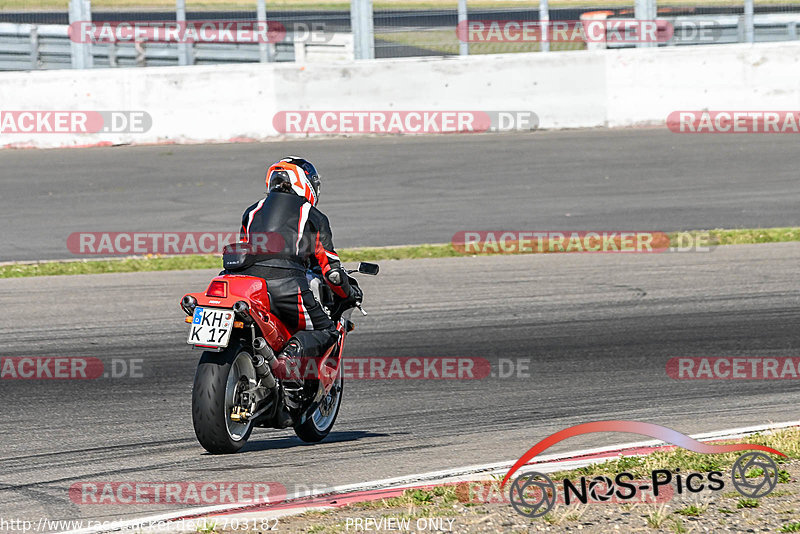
[[409, 190], [597, 330]]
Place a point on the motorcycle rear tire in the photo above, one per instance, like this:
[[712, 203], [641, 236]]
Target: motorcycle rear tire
[[211, 419]]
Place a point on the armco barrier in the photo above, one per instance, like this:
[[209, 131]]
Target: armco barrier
[[565, 89]]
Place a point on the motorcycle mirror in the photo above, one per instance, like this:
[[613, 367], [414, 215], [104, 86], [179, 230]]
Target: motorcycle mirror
[[368, 268]]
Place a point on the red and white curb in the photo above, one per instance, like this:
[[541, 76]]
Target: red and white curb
[[339, 496]]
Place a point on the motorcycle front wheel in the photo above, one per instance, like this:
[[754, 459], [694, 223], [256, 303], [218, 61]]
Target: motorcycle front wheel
[[220, 378], [319, 425]]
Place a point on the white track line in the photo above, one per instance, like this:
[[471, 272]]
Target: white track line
[[546, 463]]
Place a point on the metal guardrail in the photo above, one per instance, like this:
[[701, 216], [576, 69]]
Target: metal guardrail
[[729, 29], [34, 47], [29, 46], [47, 46]]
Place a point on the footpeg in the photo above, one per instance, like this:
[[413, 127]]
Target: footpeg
[[292, 396]]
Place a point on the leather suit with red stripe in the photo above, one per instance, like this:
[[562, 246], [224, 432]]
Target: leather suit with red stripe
[[298, 237]]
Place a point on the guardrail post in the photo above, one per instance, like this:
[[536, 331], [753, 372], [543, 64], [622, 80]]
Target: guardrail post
[[363, 32], [544, 21], [645, 10], [265, 51], [81, 11], [112, 52], [141, 53], [791, 29], [184, 48], [34, 40], [463, 45], [749, 26]]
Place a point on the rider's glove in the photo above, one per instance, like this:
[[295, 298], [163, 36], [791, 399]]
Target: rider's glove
[[356, 295]]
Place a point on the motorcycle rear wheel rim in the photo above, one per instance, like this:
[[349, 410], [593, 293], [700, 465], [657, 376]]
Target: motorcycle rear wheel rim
[[241, 367]]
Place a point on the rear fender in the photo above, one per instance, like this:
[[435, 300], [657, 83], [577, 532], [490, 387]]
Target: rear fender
[[252, 290]]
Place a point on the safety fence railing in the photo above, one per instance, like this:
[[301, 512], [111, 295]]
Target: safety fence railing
[[43, 40], [32, 47]]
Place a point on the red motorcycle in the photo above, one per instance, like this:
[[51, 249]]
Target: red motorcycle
[[240, 383]]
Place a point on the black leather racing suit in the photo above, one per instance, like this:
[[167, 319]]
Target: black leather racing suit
[[299, 237]]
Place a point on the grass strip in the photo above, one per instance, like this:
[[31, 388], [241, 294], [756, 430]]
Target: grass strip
[[446, 42], [443, 250], [785, 440]]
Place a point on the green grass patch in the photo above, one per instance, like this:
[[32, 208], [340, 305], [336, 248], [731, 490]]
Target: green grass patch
[[564, 514], [778, 493], [790, 527], [410, 252], [439, 496], [756, 235], [412, 504], [657, 516], [693, 510], [747, 503], [442, 250], [127, 265], [787, 441], [676, 525]]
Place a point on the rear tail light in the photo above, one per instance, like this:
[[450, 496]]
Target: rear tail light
[[217, 288]]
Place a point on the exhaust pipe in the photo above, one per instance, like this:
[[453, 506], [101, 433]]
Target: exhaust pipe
[[242, 309], [263, 360]]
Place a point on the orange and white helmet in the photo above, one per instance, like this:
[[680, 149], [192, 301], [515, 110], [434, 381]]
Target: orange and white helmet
[[298, 173]]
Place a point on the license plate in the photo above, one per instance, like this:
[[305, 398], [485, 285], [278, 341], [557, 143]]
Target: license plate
[[211, 327]]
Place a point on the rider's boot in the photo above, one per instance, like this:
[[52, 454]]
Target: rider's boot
[[292, 374]]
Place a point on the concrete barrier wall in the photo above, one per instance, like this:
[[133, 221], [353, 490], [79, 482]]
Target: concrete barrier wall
[[566, 89], [645, 87]]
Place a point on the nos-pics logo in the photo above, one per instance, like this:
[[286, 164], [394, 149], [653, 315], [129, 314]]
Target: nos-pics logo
[[533, 494]]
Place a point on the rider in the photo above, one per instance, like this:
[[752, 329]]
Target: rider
[[288, 216]]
